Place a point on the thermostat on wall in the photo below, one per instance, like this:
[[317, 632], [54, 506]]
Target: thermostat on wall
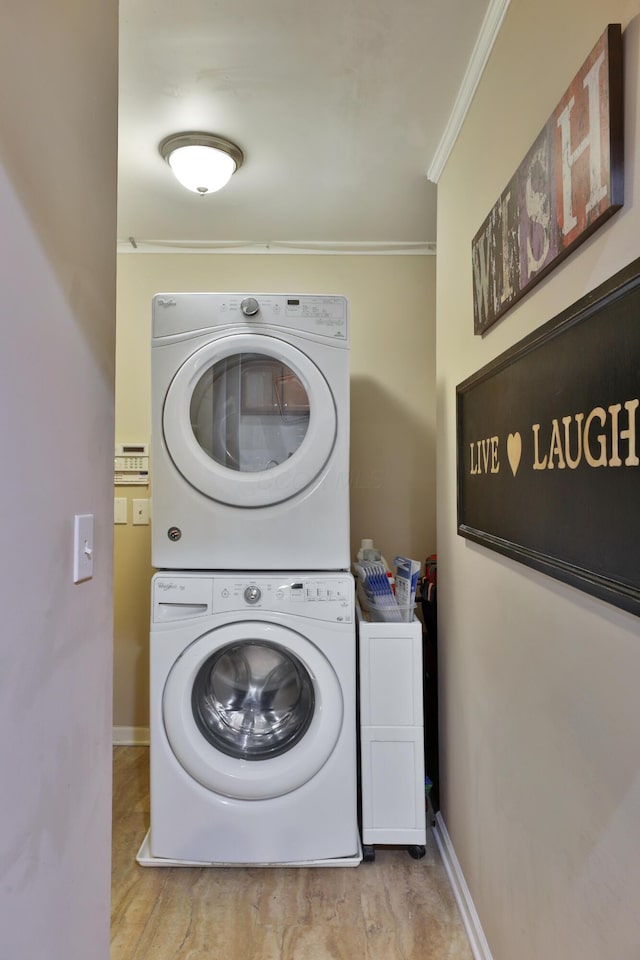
[[131, 464]]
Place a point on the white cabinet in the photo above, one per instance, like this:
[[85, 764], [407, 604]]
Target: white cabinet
[[392, 735]]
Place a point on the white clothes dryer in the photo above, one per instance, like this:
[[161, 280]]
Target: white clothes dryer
[[250, 432], [253, 719]]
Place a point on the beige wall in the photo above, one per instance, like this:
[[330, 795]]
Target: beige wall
[[392, 301], [58, 140], [540, 753]]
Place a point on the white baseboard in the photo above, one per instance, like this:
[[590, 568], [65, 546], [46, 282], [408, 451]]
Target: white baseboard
[[470, 918], [130, 736]]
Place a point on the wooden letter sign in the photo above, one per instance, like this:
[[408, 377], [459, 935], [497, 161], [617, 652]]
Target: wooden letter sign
[[569, 183]]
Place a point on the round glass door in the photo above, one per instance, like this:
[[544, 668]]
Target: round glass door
[[249, 412], [249, 420], [253, 700], [252, 710]]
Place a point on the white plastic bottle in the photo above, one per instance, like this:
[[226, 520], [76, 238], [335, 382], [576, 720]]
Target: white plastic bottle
[[368, 551]]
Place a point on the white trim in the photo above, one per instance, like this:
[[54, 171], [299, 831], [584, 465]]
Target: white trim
[[486, 38], [470, 918], [130, 736], [315, 247]]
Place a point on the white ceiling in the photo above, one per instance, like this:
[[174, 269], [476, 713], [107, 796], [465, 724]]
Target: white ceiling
[[338, 105]]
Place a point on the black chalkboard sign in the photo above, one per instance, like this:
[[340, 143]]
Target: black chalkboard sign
[[549, 446]]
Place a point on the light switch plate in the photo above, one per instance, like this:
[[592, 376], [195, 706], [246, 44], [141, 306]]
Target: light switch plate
[[119, 509], [82, 547], [141, 511]]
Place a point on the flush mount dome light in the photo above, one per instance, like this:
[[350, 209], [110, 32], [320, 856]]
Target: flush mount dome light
[[201, 162]]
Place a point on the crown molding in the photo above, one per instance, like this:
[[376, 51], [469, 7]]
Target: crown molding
[[486, 38]]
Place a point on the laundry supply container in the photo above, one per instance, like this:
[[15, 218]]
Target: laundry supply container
[[391, 734]]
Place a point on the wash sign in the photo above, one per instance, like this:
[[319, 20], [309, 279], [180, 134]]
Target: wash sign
[[549, 446], [569, 183]]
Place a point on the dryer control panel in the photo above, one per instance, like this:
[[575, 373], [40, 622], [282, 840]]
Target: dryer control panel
[[325, 317], [327, 597]]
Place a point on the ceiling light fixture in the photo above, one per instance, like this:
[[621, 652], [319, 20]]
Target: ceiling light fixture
[[201, 162]]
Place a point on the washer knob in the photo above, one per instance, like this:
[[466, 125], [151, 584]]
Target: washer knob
[[252, 594], [250, 306]]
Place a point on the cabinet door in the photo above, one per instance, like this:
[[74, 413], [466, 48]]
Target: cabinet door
[[393, 801], [391, 674]]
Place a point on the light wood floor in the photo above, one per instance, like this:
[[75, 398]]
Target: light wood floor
[[393, 909]]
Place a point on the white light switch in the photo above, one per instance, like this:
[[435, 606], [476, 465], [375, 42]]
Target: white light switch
[[119, 509], [82, 547], [141, 511]]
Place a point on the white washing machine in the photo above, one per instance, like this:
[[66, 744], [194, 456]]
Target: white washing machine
[[250, 432], [253, 719]]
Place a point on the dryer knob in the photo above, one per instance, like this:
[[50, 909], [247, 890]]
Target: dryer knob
[[252, 594], [250, 306]]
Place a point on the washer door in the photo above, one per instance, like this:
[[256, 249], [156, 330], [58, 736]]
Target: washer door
[[252, 710], [249, 420]]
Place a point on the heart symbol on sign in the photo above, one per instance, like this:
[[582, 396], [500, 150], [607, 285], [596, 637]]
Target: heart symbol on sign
[[514, 451]]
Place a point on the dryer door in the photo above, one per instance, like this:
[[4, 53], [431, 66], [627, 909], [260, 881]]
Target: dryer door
[[249, 420], [252, 710]]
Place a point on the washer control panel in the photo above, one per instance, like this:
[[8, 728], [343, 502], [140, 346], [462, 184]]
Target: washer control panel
[[321, 596]]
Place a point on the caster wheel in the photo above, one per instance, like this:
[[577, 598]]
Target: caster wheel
[[368, 854], [417, 852]]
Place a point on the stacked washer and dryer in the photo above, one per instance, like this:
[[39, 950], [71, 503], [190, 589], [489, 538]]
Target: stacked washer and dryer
[[253, 645]]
